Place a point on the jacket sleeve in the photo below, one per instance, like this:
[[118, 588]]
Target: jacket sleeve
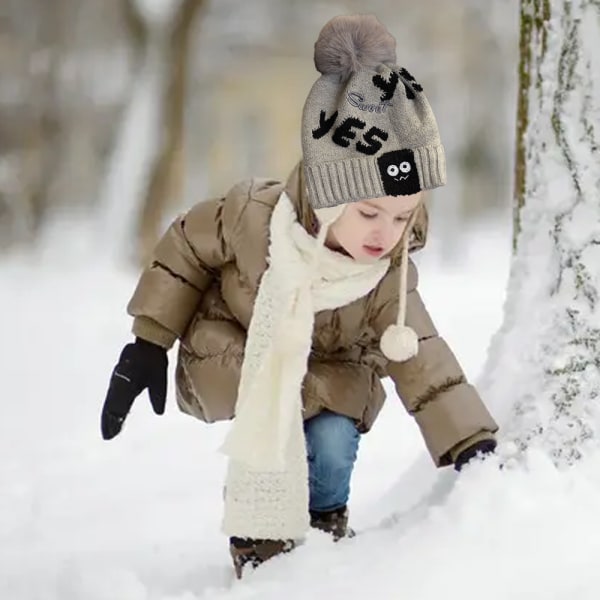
[[185, 261], [433, 386]]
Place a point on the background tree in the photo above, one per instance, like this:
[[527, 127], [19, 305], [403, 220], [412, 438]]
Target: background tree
[[145, 174], [166, 177]]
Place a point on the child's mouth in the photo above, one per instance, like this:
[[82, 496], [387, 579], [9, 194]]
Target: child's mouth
[[373, 250]]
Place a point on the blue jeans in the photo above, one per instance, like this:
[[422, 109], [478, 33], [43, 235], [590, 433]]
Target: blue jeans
[[332, 445]]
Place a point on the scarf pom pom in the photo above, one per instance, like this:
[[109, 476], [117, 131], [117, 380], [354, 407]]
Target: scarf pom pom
[[399, 343]]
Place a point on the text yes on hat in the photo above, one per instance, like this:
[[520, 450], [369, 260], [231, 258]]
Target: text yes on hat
[[343, 133]]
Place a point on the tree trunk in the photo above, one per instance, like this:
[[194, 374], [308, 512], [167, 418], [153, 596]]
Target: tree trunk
[[545, 362], [165, 184], [532, 29]]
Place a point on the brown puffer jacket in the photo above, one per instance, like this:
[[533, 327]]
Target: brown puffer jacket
[[200, 288]]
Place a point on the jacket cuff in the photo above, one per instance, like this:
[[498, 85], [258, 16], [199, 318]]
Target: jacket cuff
[[478, 437], [452, 417], [154, 332]]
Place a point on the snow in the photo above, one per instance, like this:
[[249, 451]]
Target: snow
[[138, 518]]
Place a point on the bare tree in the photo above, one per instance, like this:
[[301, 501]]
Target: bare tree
[[166, 177]]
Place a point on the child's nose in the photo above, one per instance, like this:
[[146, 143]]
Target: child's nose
[[385, 232]]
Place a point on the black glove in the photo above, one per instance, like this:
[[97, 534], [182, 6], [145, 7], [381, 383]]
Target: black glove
[[477, 449], [141, 365]]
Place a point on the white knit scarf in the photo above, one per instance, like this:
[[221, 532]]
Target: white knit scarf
[[267, 478]]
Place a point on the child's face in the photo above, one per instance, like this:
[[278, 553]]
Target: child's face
[[369, 229]]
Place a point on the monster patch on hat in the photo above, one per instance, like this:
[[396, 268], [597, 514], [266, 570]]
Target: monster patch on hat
[[399, 172]]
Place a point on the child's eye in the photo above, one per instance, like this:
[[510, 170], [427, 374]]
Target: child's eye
[[401, 219], [368, 215]]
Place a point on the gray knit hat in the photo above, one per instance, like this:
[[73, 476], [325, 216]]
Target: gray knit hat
[[367, 128]]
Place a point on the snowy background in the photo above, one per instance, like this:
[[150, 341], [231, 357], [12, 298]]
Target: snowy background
[[138, 518]]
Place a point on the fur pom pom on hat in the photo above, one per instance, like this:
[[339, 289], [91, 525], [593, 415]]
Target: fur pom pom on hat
[[350, 43]]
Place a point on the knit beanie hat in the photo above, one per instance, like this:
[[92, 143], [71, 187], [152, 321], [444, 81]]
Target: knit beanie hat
[[368, 132], [367, 128]]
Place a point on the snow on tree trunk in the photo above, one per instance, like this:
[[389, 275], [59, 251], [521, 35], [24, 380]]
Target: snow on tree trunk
[[542, 379]]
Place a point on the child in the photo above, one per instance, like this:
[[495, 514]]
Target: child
[[291, 300]]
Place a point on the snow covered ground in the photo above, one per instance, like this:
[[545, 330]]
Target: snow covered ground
[[138, 518]]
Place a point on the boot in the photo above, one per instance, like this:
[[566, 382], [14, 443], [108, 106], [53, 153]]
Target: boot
[[334, 522], [255, 552]]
